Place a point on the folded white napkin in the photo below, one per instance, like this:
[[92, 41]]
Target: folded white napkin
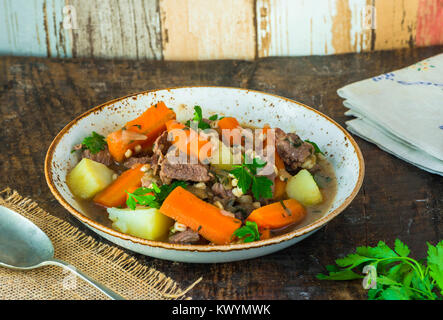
[[401, 112]]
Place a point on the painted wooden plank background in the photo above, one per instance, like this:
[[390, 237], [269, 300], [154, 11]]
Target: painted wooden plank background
[[205, 29], [306, 27], [430, 23], [396, 23], [116, 29], [33, 28], [214, 29]]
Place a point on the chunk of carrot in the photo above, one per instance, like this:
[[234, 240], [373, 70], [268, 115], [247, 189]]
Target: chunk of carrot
[[118, 146], [114, 195], [230, 129], [150, 123], [265, 233], [182, 137], [277, 215], [228, 123], [152, 120], [279, 185], [201, 216]]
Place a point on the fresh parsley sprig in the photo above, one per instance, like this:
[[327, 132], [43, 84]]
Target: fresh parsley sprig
[[398, 277], [246, 174], [316, 148], [152, 197], [144, 197], [247, 233], [94, 143], [198, 118]]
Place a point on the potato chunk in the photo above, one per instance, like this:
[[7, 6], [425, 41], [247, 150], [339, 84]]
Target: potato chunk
[[146, 223], [88, 178], [303, 188]]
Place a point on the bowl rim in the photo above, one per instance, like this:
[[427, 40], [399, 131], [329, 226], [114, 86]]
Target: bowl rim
[[189, 247]]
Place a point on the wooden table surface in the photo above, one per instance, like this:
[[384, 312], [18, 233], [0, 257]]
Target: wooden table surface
[[40, 96]]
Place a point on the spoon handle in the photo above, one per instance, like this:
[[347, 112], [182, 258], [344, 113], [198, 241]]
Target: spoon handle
[[111, 294]]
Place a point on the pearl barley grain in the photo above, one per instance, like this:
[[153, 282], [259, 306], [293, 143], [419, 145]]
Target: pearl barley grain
[[128, 153]]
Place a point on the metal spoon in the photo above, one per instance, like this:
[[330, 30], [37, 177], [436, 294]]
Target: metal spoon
[[25, 246]]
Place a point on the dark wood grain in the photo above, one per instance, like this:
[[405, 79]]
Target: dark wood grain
[[40, 96]]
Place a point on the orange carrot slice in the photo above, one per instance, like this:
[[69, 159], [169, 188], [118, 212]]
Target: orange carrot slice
[[278, 214], [228, 123], [114, 195], [152, 120], [118, 146], [227, 126], [150, 123], [202, 217], [279, 185], [265, 233], [189, 141]]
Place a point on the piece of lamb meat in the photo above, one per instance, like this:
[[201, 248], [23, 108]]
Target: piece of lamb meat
[[161, 144], [102, 156], [136, 160], [292, 149], [160, 148], [219, 190], [183, 171], [184, 237], [230, 202]]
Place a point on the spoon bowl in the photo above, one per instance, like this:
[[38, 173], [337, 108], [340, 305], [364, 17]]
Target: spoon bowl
[[22, 244], [25, 246]]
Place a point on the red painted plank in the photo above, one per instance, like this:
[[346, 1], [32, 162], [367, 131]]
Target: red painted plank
[[429, 23]]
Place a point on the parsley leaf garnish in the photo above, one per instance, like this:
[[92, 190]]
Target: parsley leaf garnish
[[198, 118], [397, 276], [435, 264], [247, 233], [213, 117], [166, 189], [152, 197], [246, 174], [262, 187], [316, 148], [94, 143], [141, 197]]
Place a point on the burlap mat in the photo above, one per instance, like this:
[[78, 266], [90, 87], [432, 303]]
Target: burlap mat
[[106, 264]]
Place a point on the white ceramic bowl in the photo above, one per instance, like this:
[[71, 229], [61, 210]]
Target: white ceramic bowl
[[248, 106]]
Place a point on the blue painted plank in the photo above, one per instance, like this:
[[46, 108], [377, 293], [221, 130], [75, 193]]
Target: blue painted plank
[[33, 28]]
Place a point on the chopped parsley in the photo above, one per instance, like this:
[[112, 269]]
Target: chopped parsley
[[94, 143], [316, 148], [198, 118], [142, 197], [247, 233], [246, 174], [285, 208], [152, 197]]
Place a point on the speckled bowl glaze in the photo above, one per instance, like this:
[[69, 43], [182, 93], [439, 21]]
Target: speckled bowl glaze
[[249, 106]]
